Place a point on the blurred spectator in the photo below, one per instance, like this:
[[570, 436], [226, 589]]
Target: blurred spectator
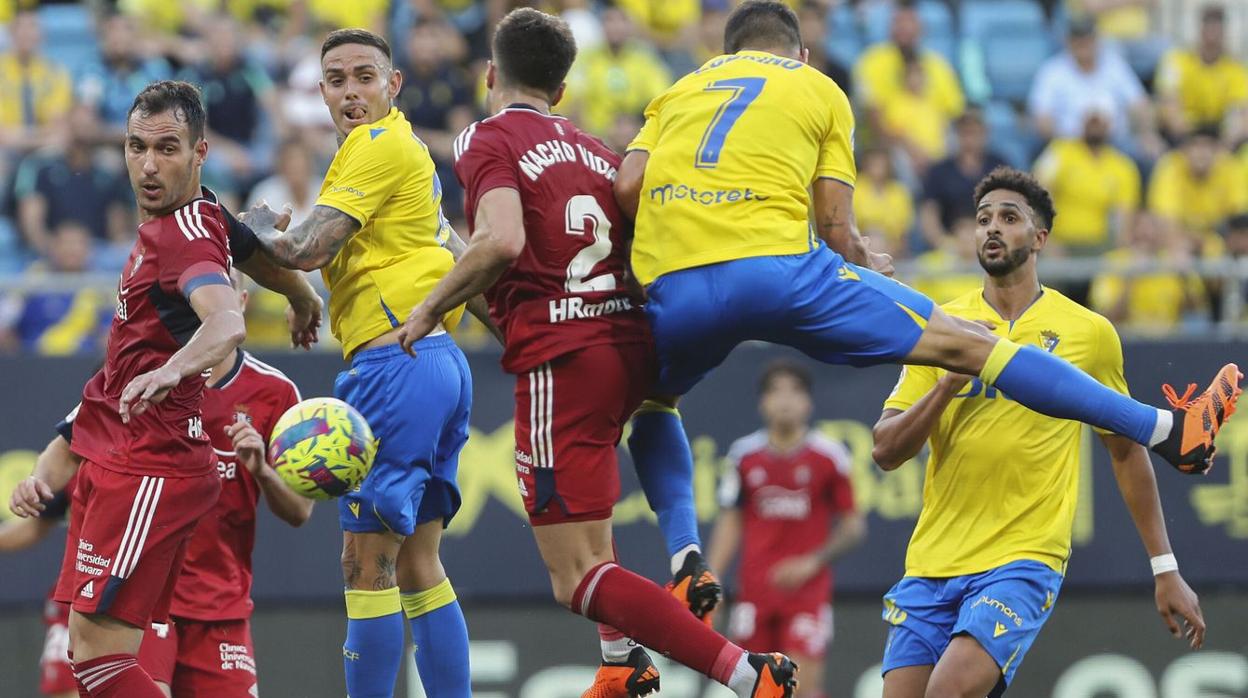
[[1197, 186], [709, 40], [915, 120], [1124, 20], [363, 14], [239, 99], [1095, 187], [1205, 87], [1089, 72], [34, 92], [297, 182], [949, 271], [948, 190], [882, 205], [1146, 287], [1235, 236], [619, 77], [880, 74], [121, 72], [622, 132], [814, 26], [666, 22], [584, 23], [72, 186], [57, 323], [303, 108], [437, 99]]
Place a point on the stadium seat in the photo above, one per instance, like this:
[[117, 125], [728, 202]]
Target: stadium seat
[[1009, 134], [1012, 55], [843, 42], [978, 17], [68, 35], [939, 32], [13, 257]]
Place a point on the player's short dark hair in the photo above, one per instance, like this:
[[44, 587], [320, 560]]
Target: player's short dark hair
[[1010, 179], [342, 37], [761, 24], [181, 98], [784, 367], [533, 49]]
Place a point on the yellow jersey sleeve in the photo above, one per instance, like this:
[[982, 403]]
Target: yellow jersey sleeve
[[836, 152], [912, 385], [648, 136], [367, 175], [1107, 368]]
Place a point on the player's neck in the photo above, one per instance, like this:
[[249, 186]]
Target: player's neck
[[785, 440], [221, 370], [146, 215], [1012, 294], [512, 97]]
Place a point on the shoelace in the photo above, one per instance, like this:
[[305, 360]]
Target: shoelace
[[1176, 401]]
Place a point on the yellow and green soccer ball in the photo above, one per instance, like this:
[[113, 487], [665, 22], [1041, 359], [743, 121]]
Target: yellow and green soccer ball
[[322, 448]]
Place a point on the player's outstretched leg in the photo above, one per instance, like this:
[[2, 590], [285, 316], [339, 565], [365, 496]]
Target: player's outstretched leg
[[664, 465], [585, 578], [439, 631], [1053, 386], [373, 650]]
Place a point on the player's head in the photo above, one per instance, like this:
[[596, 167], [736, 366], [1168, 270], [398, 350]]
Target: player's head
[[1212, 31], [358, 80], [165, 146], [1200, 148], [784, 396], [764, 25], [239, 282], [1013, 216], [533, 52]]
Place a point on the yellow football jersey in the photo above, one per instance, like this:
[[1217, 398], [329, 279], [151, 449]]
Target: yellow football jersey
[[383, 177], [734, 147], [1002, 481]]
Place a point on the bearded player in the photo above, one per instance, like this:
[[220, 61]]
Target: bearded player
[[378, 234], [547, 245], [725, 176]]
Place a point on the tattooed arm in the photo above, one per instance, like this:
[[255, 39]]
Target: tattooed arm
[[834, 222], [309, 245]]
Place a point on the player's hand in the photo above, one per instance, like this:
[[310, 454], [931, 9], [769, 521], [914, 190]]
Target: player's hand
[[953, 383], [881, 262], [260, 216], [248, 444], [420, 322], [791, 573], [1176, 600], [29, 497], [147, 390], [303, 318]]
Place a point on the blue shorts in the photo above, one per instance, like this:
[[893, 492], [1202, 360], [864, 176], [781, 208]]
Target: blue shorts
[[817, 302], [418, 410], [1003, 609]]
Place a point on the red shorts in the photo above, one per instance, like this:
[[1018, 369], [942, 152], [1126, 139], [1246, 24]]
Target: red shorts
[[570, 413], [127, 538], [197, 658], [55, 673], [804, 631]]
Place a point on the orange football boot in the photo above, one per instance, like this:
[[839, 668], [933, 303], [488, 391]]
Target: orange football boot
[[1189, 447], [697, 587], [777, 676], [634, 677]]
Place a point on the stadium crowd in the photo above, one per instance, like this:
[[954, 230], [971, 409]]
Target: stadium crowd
[[1134, 113]]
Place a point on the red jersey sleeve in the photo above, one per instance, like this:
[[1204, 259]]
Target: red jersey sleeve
[[194, 251], [838, 490], [483, 162]]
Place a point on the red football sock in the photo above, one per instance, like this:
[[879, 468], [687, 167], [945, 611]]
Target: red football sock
[[651, 616], [114, 676]]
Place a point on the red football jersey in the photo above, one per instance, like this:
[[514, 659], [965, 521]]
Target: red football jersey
[[215, 582], [569, 287], [173, 256], [787, 503]]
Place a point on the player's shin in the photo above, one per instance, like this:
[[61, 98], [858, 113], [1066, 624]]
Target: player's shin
[[1055, 387], [373, 651], [440, 635], [664, 465]]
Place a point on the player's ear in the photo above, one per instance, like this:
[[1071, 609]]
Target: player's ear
[[491, 75], [201, 150], [396, 82], [805, 55], [1042, 238], [558, 94]]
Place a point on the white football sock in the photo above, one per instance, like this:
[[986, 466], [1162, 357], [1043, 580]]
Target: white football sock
[[1165, 424], [744, 676], [616, 650], [678, 560]]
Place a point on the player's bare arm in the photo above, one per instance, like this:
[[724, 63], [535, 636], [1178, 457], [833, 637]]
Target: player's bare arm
[[221, 331], [477, 305], [19, 534], [899, 435], [628, 181], [288, 505], [53, 470], [497, 241], [309, 245], [1138, 485], [833, 203], [306, 308]]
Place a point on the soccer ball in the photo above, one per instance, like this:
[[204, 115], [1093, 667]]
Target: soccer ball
[[322, 448]]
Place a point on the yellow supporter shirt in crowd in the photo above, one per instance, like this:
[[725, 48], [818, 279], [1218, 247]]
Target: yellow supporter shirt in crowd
[[664, 18], [383, 177], [880, 74], [50, 91], [919, 118], [1088, 187], [942, 276], [1198, 205], [734, 147], [1205, 91], [1002, 481], [605, 85], [367, 14], [888, 209], [1155, 301]]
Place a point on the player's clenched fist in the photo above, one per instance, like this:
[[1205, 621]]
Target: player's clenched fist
[[149, 389], [248, 444], [29, 497]]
